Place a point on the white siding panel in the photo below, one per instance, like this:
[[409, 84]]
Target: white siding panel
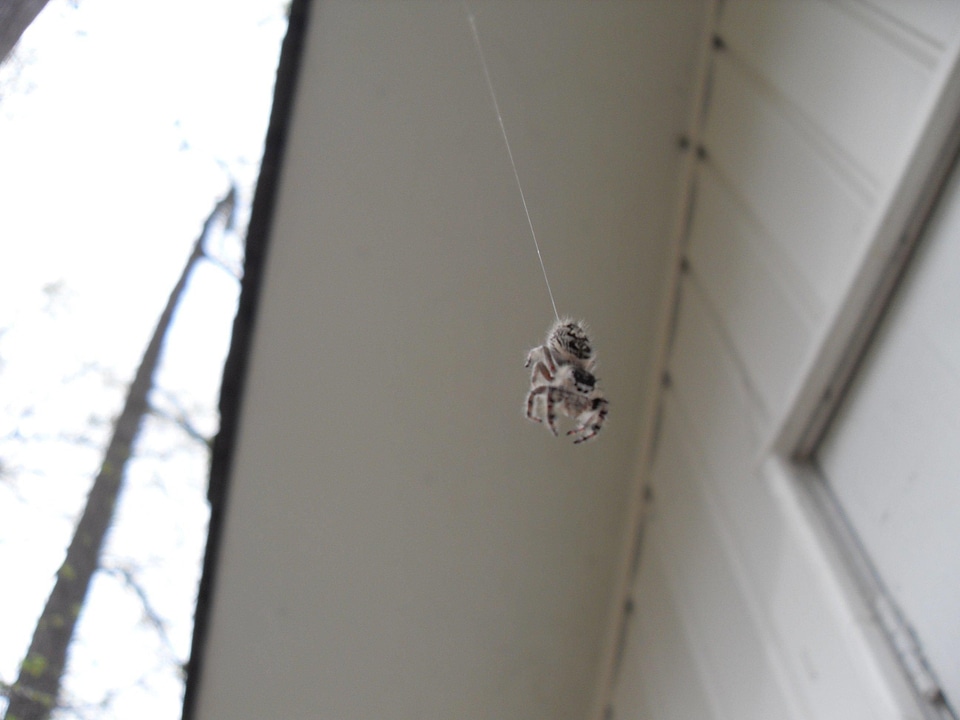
[[718, 412], [727, 419], [938, 21], [729, 258], [659, 677], [695, 550], [859, 89], [801, 199]]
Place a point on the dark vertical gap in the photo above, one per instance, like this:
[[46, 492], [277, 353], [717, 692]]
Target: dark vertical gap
[[235, 367]]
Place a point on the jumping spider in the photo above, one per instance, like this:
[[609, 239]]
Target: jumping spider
[[562, 380]]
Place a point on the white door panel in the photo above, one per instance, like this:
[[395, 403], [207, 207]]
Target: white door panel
[[893, 456]]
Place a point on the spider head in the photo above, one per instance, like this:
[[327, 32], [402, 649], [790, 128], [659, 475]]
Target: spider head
[[569, 337]]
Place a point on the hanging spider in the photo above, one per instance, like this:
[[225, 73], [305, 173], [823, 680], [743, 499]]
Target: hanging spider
[[562, 380]]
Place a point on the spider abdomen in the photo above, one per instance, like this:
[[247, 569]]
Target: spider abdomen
[[584, 381]]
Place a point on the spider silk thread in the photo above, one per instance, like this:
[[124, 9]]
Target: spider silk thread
[[506, 141]]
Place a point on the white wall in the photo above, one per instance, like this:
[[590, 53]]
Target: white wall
[[822, 119], [399, 541]]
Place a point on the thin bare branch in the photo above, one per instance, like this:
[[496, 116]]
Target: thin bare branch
[[150, 615]]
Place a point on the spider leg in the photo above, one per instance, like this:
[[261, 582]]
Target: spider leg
[[553, 393], [549, 394], [541, 370], [543, 363], [590, 421], [531, 400]]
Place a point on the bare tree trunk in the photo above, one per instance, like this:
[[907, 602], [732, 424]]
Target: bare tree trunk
[[15, 17], [34, 695]]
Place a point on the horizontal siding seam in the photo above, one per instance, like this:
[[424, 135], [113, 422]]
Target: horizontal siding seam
[[762, 413], [731, 545], [909, 40], [703, 673], [800, 292], [862, 184]]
